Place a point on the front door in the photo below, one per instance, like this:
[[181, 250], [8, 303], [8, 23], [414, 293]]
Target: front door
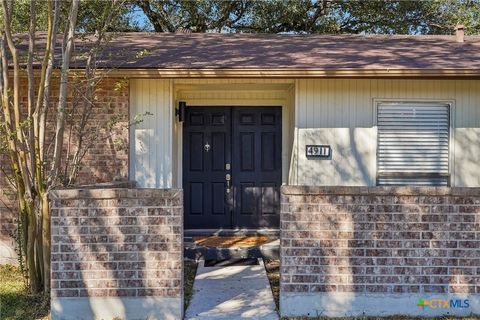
[[232, 167]]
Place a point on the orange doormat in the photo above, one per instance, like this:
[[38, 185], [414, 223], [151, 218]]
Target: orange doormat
[[231, 242]]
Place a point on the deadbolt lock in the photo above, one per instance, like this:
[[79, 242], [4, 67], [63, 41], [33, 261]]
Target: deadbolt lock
[[227, 166]]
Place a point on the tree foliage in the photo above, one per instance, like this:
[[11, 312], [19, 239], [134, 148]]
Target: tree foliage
[[269, 16], [36, 157], [312, 16], [198, 16], [90, 16]]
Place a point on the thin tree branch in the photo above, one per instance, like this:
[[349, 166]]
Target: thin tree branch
[[62, 97]]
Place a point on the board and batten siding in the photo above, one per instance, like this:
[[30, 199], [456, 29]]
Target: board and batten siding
[[151, 139], [341, 113]]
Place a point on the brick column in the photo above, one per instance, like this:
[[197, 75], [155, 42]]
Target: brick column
[[353, 251], [117, 253]]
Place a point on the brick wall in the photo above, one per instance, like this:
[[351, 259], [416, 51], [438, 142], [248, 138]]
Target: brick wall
[[348, 250], [7, 218], [106, 161], [117, 247]]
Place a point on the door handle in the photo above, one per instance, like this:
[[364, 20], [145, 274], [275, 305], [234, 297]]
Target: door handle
[[228, 178]]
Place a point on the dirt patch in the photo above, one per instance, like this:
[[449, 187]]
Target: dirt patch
[[273, 274], [385, 318], [189, 272]]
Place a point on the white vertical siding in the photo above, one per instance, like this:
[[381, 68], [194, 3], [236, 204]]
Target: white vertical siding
[[151, 140], [289, 136], [337, 112], [340, 113]]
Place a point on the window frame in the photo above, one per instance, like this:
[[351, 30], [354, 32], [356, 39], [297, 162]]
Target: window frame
[[451, 143]]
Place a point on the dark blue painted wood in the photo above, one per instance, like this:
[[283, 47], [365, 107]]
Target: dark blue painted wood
[[205, 201], [250, 139], [257, 166]]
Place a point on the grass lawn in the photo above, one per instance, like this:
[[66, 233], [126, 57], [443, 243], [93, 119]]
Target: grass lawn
[[15, 302]]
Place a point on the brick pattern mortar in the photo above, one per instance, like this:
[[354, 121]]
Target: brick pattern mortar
[[106, 161], [117, 242], [380, 240]]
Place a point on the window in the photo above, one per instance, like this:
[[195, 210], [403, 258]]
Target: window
[[413, 143]]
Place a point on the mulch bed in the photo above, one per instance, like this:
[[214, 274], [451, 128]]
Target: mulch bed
[[273, 273], [189, 272]]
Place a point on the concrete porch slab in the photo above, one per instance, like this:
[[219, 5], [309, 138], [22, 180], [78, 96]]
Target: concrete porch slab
[[269, 250], [233, 292]]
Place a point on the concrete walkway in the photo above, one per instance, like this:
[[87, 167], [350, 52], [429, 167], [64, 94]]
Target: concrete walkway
[[234, 292]]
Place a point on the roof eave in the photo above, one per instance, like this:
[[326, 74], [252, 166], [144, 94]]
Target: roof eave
[[293, 73], [283, 73]]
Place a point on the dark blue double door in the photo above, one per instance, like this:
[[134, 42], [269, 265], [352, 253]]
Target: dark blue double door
[[232, 168]]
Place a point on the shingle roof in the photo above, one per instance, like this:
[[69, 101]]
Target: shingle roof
[[267, 51]]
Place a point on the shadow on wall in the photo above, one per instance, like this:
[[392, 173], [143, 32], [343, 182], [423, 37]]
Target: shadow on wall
[[352, 161], [95, 245], [117, 256], [467, 157], [150, 168], [354, 252], [109, 158]]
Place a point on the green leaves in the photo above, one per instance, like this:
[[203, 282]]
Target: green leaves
[[314, 16], [270, 16]]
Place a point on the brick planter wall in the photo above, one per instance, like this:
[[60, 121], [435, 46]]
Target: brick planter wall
[[117, 253], [376, 251]]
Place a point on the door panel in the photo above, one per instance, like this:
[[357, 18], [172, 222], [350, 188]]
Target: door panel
[[257, 169], [218, 198], [219, 147], [196, 202], [206, 150], [196, 147], [270, 198], [268, 151], [248, 138], [247, 151]]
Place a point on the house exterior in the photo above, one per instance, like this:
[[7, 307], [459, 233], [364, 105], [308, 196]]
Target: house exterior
[[362, 150]]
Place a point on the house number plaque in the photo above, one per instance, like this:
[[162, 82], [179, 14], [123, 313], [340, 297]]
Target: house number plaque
[[318, 151]]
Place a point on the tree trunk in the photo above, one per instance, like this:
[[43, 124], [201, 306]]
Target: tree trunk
[[47, 85], [62, 96], [59, 132], [19, 159]]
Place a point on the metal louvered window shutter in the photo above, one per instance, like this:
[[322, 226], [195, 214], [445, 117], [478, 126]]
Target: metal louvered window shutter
[[413, 144]]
